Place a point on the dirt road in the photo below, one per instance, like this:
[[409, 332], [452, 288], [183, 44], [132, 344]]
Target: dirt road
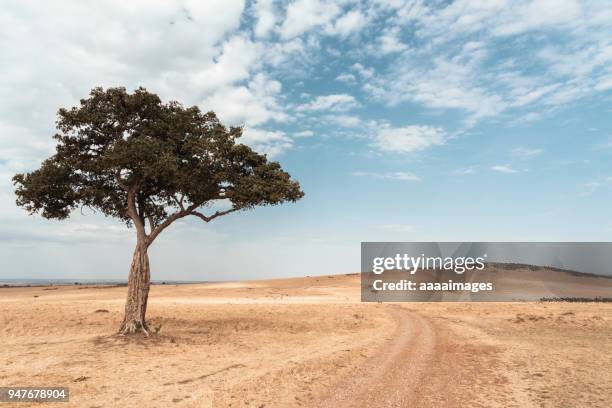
[[392, 378], [429, 361]]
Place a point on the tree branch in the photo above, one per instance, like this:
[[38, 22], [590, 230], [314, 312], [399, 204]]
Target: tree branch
[[215, 215], [179, 202], [151, 224], [183, 213], [120, 182], [140, 208], [173, 217], [133, 213]]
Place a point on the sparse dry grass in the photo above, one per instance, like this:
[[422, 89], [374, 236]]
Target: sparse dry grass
[[289, 342]]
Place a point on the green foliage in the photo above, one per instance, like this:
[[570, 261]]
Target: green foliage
[[132, 157]]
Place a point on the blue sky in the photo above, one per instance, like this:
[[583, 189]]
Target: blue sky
[[403, 120]]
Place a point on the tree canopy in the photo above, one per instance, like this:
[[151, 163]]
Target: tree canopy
[[130, 156]]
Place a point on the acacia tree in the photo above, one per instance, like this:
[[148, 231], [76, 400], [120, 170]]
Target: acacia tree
[[147, 163]]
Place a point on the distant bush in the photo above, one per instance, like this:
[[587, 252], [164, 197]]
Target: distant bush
[[578, 299]]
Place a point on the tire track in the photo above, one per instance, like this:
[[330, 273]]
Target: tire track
[[391, 378]]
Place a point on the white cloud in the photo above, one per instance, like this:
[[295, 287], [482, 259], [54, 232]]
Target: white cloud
[[238, 57], [352, 21], [537, 15], [251, 104], [347, 78], [365, 73], [287, 53], [188, 52], [497, 18], [332, 103], [398, 175], [347, 121], [390, 41], [503, 169], [409, 139], [52, 58], [458, 63], [304, 133], [303, 15], [443, 83], [604, 84], [266, 17], [497, 60], [522, 96], [272, 143]]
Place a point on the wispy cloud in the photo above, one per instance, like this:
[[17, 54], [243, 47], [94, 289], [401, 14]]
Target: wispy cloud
[[347, 78], [265, 15], [272, 143], [304, 15], [525, 153], [409, 139], [398, 175], [348, 23], [466, 170], [462, 68], [390, 41], [598, 183], [365, 73], [304, 133], [331, 103], [501, 168], [419, 72], [348, 121]]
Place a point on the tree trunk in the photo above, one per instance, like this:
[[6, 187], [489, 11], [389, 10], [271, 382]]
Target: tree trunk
[[138, 293]]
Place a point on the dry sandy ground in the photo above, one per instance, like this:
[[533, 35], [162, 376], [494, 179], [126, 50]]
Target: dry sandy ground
[[304, 342]]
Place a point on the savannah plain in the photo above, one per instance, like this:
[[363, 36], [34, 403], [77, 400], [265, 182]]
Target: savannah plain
[[304, 342]]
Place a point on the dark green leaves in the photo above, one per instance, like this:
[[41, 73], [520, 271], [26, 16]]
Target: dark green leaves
[[52, 190], [171, 158]]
